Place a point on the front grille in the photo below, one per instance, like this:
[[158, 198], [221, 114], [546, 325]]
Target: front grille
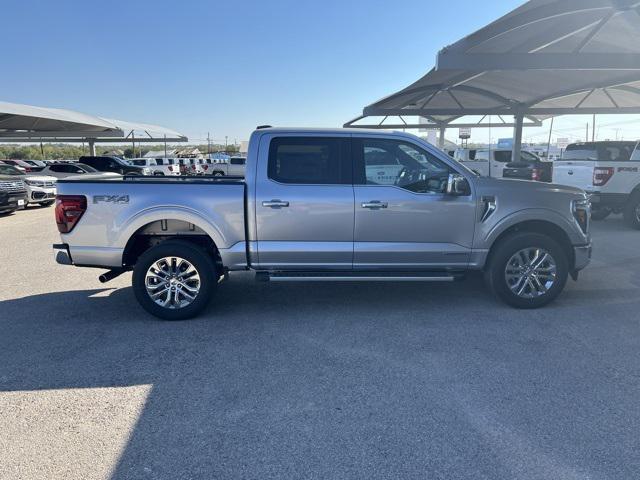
[[15, 186]]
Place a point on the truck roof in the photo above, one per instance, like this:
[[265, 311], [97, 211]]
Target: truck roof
[[356, 131]]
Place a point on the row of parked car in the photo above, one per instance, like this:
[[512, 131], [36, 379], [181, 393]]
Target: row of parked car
[[25, 182], [608, 171]]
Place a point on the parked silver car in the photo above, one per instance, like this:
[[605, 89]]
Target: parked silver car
[[327, 205]]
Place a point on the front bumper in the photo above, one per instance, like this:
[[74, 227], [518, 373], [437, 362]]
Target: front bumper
[[13, 201], [61, 254], [41, 194], [582, 256]]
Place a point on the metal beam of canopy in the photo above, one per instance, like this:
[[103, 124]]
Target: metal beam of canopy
[[26, 123], [543, 59]]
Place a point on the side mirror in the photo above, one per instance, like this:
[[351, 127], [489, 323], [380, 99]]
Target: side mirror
[[458, 186]]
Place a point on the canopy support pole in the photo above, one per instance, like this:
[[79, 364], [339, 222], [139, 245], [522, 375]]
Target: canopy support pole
[[443, 130], [92, 147], [517, 136]]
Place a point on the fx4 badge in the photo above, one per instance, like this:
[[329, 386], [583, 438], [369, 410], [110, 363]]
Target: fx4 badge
[[115, 199]]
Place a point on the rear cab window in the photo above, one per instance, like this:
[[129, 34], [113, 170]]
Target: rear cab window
[[600, 152], [310, 161]]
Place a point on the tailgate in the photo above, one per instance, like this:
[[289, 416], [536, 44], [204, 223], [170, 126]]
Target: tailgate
[[574, 173]]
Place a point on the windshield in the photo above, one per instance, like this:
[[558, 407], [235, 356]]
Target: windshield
[[86, 168], [9, 170]]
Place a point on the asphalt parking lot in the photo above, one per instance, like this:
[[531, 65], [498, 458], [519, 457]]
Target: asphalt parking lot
[[316, 380]]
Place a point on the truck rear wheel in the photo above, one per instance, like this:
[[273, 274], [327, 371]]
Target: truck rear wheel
[[527, 270], [174, 280], [632, 211]]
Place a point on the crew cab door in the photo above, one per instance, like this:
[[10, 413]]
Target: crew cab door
[[304, 203], [404, 219]]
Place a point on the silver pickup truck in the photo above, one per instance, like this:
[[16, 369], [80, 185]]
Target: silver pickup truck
[[326, 205]]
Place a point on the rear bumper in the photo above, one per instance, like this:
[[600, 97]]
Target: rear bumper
[[610, 200], [61, 254], [582, 257]]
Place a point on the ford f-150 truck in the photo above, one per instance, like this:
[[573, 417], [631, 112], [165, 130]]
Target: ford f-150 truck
[[326, 205]]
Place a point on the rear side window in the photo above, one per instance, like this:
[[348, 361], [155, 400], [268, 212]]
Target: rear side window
[[310, 161], [502, 156]]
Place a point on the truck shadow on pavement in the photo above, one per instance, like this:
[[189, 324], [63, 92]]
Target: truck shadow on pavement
[[349, 381]]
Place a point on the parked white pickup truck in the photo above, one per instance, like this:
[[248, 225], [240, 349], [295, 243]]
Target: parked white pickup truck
[[231, 167], [609, 172], [314, 206]]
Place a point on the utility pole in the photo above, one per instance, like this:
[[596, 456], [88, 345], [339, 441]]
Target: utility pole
[[593, 129], [549, 142], [586, 138], [225, 142]]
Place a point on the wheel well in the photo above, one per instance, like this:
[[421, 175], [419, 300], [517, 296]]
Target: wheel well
[[538, 226], [160, 231]]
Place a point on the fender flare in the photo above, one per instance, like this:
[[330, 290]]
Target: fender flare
[[155, 214], [531, 215]]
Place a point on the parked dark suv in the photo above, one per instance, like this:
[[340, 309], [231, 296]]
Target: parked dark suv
[[115, 165], [13, 191]]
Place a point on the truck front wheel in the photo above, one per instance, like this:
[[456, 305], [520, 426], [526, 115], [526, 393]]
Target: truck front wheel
[[527, 270], [174, 280]]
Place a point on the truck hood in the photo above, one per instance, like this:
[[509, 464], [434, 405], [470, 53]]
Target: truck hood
[[526, 188]]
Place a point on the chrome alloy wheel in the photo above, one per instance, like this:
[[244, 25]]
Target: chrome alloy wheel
[[172, 282], [638, 213], [531, 273]]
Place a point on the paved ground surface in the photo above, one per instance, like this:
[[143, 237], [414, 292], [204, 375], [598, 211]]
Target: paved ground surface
[[314, 380]]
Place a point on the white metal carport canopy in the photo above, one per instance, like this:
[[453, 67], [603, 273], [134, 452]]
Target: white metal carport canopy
[[26, 123], [546, 58]]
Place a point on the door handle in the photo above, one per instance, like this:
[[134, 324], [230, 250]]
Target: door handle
[[375, 205], [275, 204]]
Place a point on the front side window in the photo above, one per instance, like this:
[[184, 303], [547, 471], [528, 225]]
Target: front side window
[[310, 161], [9, 170], [482, 155], [401, 164]]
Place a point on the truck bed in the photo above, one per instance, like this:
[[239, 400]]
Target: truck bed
[[118, 208]]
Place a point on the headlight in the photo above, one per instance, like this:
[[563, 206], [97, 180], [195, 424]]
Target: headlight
[[34, 183], [581, 210]]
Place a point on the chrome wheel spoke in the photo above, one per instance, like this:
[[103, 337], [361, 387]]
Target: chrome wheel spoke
[[172, 282], [530, 273]]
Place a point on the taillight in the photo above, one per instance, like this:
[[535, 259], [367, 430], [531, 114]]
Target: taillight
[[601, 175], [170, 168], [206, 167], [536, 175], [28, 169], [69, 210]]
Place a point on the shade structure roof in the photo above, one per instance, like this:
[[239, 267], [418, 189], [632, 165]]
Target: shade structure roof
[[17, 120], [30, 123], [546, 58]]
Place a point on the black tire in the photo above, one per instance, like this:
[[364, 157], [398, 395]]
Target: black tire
[[600, 214], [201, 260], [496, 277], [632, 211], [48, 203]]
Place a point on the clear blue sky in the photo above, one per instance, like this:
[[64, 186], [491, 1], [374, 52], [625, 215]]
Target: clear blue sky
[[226, 66]]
